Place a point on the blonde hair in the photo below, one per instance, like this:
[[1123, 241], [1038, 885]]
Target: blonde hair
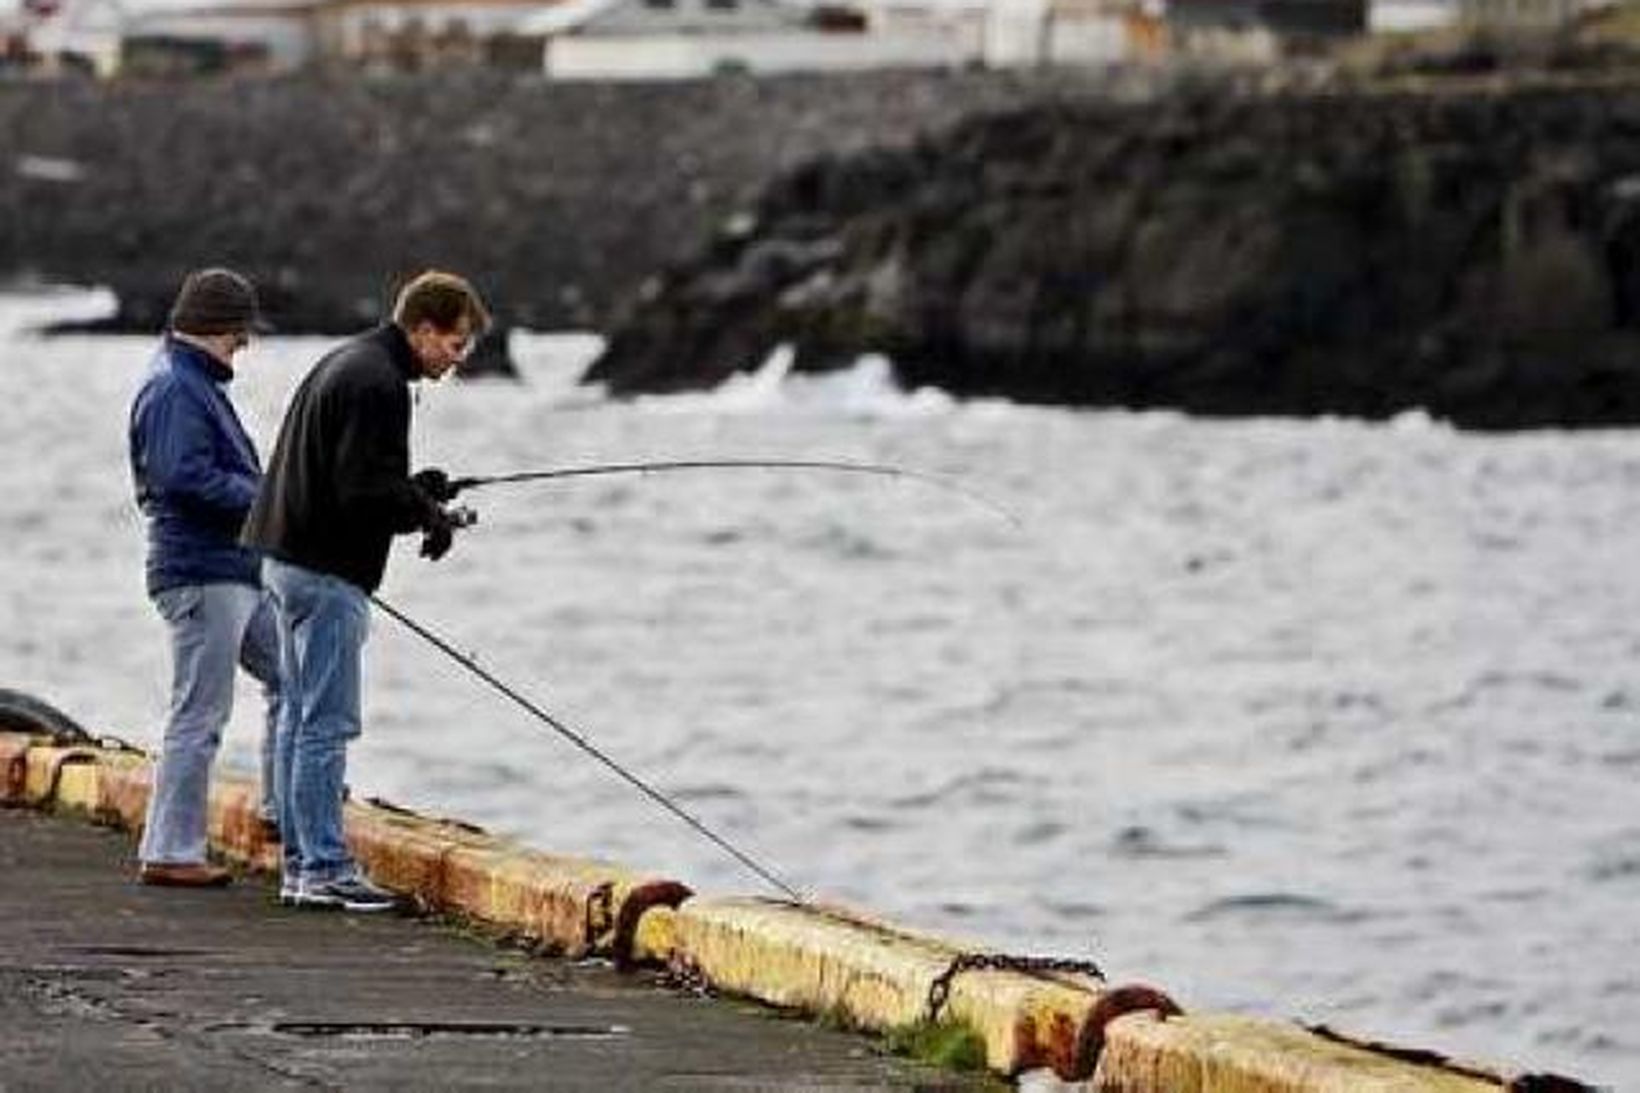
[[442, 299]]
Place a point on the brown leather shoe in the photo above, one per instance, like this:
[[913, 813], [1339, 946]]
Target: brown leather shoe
[[184, 875]]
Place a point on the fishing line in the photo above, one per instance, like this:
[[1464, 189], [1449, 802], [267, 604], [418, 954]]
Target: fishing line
[[585, 745], [883, 470]]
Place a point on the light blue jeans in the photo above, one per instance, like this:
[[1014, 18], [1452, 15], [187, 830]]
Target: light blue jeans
[[212, 626], [323, 622]]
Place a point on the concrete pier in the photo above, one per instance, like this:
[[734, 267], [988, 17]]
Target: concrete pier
[[106, 984]]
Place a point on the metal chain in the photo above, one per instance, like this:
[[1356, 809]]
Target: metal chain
[[939, 991], [682, 973]]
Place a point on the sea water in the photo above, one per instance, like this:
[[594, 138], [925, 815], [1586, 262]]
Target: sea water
[[1328, 720]]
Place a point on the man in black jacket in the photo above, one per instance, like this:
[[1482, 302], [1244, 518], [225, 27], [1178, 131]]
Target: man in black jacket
[[337, 489]]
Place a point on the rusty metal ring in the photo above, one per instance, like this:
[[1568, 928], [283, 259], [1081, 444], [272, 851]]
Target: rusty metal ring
[[660, 893], [72, 757], [1118, 1002]]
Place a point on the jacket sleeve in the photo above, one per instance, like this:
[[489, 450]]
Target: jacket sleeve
[[373, 461], [181, 465]]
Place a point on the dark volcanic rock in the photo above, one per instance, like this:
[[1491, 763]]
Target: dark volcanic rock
[[557, 199], [1475, 254]]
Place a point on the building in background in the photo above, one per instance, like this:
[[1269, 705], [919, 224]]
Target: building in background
[[676, 39], [1410, 16], [62, 36], [1260, 31], [682, 39], [368, 35], [421, 35], [1028, 33], [221, 36], [1525, 15]]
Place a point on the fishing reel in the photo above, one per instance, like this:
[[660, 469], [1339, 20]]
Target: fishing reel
[[437, 539]]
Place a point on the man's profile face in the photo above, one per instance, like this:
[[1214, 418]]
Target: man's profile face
[[437, 350]]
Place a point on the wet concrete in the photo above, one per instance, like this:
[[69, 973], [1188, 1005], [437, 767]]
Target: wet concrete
[[106, 984]]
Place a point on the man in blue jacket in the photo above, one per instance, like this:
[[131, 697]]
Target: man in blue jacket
[[196, 473]]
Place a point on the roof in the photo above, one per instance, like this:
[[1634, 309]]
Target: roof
[[564, 16], [637, 17]]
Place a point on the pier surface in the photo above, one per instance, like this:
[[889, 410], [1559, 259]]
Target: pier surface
[[106, 984]]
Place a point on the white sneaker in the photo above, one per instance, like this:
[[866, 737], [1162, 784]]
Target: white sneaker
[[353, 893]]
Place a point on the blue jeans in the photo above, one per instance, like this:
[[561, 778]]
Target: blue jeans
[[323, 622], [211, 627]]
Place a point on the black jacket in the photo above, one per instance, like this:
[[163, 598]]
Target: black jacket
[[337, 488]]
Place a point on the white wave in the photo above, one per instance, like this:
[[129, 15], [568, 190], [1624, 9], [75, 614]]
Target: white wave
[[743, 392], [866, 389], [552, 363], [1416, 420], [24, 309]]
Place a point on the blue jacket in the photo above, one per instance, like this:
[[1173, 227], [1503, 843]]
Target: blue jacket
[[195, 471]]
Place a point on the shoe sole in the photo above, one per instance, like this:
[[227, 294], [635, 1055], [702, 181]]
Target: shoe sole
[[368, 908], [336, 903], [173, 882]]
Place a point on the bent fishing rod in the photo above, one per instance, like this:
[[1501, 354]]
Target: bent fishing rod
[[585, 745], [880, 469]]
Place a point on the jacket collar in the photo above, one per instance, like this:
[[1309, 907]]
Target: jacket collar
[[391, 337], [197, 358]]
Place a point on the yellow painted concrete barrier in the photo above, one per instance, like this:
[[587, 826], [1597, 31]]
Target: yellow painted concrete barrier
[[110, 786], [406, 852], [127, 782], [233, 822], [1226, 1053], [570, 905], [14, 749], [879, 976], [575, 905], [44, 771]]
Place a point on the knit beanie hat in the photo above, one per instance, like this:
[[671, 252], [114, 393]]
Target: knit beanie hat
[[215, 301]]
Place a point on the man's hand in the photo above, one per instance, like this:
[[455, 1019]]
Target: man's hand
[[438, 534], [435, 484]]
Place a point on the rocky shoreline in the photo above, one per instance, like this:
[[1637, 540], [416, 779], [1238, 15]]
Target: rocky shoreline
[[1474, 252], [1469, 247], [561, 198]]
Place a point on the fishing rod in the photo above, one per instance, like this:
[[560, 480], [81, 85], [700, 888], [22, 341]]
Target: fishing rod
[[880, 469], [585, 745]]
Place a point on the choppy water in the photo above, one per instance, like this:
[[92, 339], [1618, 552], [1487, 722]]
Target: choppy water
[[1320, 719]]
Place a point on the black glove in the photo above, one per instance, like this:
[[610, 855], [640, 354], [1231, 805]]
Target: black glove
[[437, 534], [435, 484]]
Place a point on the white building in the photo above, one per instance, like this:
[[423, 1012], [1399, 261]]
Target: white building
[[680, 39], [601, 39], [69, 31], [1410, 16], [1022, 33], [1524, 14]]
